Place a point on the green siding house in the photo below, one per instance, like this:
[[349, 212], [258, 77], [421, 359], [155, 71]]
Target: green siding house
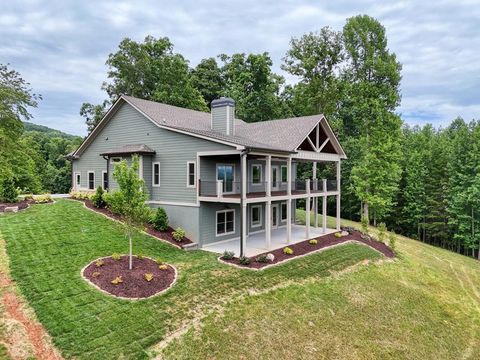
[[230, 184]]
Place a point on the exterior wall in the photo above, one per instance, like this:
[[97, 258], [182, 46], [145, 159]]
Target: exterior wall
[[186, 217], [173, 150], [208, 222], [223, 119]]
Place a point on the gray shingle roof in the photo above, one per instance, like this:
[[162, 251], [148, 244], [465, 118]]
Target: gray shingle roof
[[130, 149]]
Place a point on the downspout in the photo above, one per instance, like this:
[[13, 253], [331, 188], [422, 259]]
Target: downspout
[[243, 188], [108, 175]]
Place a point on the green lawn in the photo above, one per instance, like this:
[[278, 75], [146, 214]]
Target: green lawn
[[49, 244]]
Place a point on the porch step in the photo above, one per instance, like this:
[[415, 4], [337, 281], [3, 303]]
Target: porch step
[[192, 246]]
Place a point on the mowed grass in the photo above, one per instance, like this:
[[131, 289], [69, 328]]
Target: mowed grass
[[48, 245]]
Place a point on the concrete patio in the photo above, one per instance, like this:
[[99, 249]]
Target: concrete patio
[[256, 242]]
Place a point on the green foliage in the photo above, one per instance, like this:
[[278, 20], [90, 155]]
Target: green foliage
[[159, 220], [338, 235], [313, 242], [262, 259], [364, 223], [382, 232], [288, 251], [207, 78], [84, 195], [178, 234], [148, 277], [116, 256], [392, 240], [159, 261], [228, 255], [163, 267], [140, 256], [8, 192], [100, 263], [98, 199], [243, 260], [43, 199]]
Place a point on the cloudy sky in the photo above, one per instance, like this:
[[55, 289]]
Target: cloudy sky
[[61, 47]]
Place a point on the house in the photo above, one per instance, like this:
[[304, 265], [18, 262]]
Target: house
[[230, 184]]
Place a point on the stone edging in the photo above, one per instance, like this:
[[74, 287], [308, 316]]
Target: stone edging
[[118, 221], [29, 206], [122, 297], [298, 256]]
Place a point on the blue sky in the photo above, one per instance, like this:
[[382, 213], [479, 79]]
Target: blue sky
[[61, 47]]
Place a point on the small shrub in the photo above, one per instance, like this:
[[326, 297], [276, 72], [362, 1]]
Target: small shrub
[[338, 235], [313, 242], [98, 198], [148, 277], [117, 280], [349, 229], [382, 232], [287, 251], [159, 261], [96, 274], [140, 256], [116, 256], [262, 259], [99, 263], [28, 197], [159, 220], [364, 222], [163, 267], [244, 260], [392, 240], [178, 234], [43, 199], [8, 192], [228, 255]]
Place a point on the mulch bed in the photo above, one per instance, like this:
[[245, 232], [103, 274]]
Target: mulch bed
[[21, 205], [134, 285], [162, 235], [305, 247]]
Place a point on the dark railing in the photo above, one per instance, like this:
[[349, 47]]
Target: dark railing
[[299, 185], [316, 185], [207, 188], [257, 187], [332, 185]]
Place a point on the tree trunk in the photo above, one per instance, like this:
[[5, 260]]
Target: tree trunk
[[365, 211], [130, 260]]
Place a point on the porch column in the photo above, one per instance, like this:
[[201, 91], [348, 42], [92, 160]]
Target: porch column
[[289, 176], [307, 217], [338, 196], [243, 159], [289, 221], [268, 175], [244, 228], [268, 224], [324, 213], [315, 211]]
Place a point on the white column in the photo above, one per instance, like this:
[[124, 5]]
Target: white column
[[289, 221], [315, 211], [324, 214], [307, 217], [244, 177], [268, 224], [244, 203], [338, 196], [268, 175], [244, 228], [289, 176], [219, 188]]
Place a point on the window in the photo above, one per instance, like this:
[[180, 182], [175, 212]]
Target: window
[[284, 211], [77, 179], [256, 174], [105, 180], [156, 174], [91, 180], [225, 222], [284, 174], [256, 216], [191, 175], [227, 174], [115, 160]]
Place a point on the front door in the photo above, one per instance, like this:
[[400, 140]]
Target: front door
[[275, 216], [226, 173], [275, 178]]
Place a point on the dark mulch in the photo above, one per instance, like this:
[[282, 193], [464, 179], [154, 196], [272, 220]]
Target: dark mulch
[[134, 284], [21, 205], [305, 247], [163, 235]]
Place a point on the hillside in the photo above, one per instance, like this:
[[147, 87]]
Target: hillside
[[29, 127]]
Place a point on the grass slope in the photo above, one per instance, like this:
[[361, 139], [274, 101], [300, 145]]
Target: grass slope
[[49, 244]]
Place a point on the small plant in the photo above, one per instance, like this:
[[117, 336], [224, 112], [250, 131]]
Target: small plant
[[159, 220], [364, 222], [98, 199], [43, 199], [392, 240], [8, 192], [287, 251], [313, 242], [140, 256], [159, 261], [178, 234], [244, 260], [262, 259], [382, 232], [338, 234], [116, 256], [99, 263], [163, 267], [96, 274], [228, 255], [118, 280], [28, 197], [148, 277]]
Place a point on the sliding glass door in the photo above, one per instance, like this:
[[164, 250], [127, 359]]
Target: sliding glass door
[[226, 173]]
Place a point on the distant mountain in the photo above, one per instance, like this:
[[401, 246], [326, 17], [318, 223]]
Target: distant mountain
[[48, 131]]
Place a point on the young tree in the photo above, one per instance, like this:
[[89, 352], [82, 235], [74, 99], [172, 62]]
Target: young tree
[[207, 78], [129, 199]]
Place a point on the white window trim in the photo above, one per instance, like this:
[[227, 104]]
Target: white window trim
[[261, 174], [194, 174], [153, 174], [281, 173], [103, 179], [115, 157], [79, 183], [259, 207], [234, 176], [216, 222], [281, 211], [88, 179]]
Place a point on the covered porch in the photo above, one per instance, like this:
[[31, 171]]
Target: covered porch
[[255, 243]]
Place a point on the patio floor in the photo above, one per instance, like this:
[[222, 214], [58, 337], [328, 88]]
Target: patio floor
[[256, 242]]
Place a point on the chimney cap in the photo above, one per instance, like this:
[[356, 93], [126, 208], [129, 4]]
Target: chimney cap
[[223, 101]]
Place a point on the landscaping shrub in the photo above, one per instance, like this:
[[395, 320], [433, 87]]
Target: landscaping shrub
[[287, 251], [43, 199], [148, 277], [99, 263], [364, 222], [116, 256], [228, 255], [159, 220], [81, 195], [28, 197], [313, 242], [244, 260], [8, 192], [392, 240], [382, 231], [117, 280], [98, 198], [338, 235], [178, 234], [262, 259], [163, 267]]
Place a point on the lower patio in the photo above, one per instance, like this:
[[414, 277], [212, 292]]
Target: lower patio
[[256, 242]]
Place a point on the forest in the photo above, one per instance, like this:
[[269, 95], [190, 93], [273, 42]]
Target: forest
[[422, 182]]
